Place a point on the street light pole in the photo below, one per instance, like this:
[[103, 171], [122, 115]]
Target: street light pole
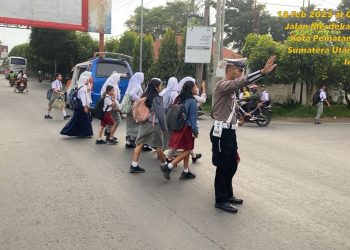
[[141, 37]]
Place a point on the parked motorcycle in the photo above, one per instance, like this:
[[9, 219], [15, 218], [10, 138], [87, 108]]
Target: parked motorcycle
[[261, 120]]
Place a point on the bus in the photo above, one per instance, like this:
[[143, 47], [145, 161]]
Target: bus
[[15, 64]]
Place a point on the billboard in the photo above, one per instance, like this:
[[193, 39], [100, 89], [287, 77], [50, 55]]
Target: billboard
[[198, 44], [100, 16], [56, 14], [3, 51]]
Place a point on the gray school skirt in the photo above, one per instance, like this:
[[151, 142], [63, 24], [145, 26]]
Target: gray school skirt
[[150, 135]]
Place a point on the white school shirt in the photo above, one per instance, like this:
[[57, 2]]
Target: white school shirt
[[265, 96], [107, 101], [84, 96], [201, 99], [57, 85], [323, 95]]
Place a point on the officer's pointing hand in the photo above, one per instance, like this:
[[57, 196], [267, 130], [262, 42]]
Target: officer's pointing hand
[[269, 66]]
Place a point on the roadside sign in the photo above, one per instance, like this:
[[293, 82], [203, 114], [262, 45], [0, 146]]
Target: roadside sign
[[198, 44]]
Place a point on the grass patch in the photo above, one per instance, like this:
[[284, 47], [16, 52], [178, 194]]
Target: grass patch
[[304, 111]]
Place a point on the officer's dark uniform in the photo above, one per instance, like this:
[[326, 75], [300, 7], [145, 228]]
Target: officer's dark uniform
[[224, 149]]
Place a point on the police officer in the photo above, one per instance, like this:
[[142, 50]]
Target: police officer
[[223, 133]]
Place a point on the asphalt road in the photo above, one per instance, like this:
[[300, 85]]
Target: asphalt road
[[68, 193]]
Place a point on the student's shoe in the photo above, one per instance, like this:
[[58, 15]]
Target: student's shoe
[[100, 142], [166, 171], [47, 116], [317, 122], [111, 141], [136, 169], [146, 148], [130, 145], [169, 160], [196, 157], [234, 200], [66, 117], [226, 207], [187, 176]]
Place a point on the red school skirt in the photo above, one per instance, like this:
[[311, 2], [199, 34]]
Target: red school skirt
[[182, 139], [107, 119]]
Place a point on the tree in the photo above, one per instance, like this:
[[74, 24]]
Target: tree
[[174, 15], [112, 45], [58, 48], [127, 42], [168, 57], [86, 47], [147, 55]]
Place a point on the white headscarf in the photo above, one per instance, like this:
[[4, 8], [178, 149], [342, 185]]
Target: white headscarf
[[183, 80], [84, 82], [171, 86], [135, 83], [86, 74], [113, 80]]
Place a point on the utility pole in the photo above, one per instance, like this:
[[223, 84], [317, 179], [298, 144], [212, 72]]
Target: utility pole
[[217, 35], [222, 28], [141, 37]]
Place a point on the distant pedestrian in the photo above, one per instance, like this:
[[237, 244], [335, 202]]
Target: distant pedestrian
[[58, 92], [113, 80], [184, 139], [107, 119], [80, 124], [135, 92], [323, 98], [151, 131]]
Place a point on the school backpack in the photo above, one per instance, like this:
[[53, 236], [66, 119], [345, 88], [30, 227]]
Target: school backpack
[[316, 97], [99, 111], [126, 104], [140, 111], [49, 94], [176, 117], [74, 101]]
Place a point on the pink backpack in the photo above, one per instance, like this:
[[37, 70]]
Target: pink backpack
[[140, 111]]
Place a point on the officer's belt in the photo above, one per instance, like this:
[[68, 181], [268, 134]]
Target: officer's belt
[[229, 126]]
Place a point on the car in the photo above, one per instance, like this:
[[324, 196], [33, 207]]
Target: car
[[101, 68]]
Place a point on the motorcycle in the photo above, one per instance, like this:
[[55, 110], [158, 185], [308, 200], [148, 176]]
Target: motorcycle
[[12, 81], [262, 120], [21, 86]]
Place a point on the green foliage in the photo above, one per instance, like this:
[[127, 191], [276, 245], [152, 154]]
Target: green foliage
[[147, 55], [173, 15], [86, 47], [112, 45], [168, 57], [127, 43]]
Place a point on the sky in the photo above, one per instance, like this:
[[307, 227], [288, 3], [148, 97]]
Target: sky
[[123, 9]]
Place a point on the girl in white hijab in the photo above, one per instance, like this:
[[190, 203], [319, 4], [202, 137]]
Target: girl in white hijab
[[170, 92], [80, 124], [135, 92], [113, 80], [134, 88]]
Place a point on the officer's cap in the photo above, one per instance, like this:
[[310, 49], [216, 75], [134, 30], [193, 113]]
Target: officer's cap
[[239, 63]]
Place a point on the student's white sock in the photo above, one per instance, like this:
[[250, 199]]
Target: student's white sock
[[64, 112], [170, 166], [186, 170], [134, 164]]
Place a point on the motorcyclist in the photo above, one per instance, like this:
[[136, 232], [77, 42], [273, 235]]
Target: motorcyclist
[[264, 99], [39, 75], [21, 77]]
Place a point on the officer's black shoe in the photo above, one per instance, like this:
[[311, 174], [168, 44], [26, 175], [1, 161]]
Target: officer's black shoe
[[226, 207], [137, 169], [234, 200]]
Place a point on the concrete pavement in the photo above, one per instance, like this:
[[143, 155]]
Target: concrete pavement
[[68, 193]]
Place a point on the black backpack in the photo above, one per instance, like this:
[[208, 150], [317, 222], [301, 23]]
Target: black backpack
[[176, 117], [99, 111], [49, 94], [74, 101], [316, 98]]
